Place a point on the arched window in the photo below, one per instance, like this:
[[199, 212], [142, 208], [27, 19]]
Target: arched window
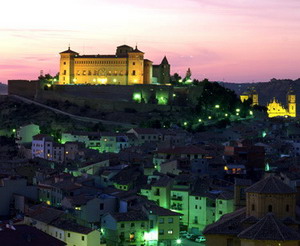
[[287, 208], [270, 208]]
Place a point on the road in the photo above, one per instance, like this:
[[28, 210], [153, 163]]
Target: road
[[75, 117]]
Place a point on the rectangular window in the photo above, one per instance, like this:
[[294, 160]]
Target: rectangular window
[[132, 225], [151, 224], [101, 206], [133, 72], [82, 238], [122, 225], [69, 235], [170, 232], [161, 220], [170, 220], [161, 232]]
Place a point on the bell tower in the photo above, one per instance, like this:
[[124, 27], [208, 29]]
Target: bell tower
[[291, 101]]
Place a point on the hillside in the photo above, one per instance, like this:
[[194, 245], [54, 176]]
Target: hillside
[[267, 90]]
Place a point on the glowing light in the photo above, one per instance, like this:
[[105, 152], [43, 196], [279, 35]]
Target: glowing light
[[185, 123], [264, 134], [137, 97], [251, 112], [102, 80], [162, 101], [48, 85], [114, 80], [48, 203], [151, 236], [13, 130], [237, 114], [237, 110], [94, 80], [178, 241], [74, 80], [199, 120], [67, 152], [217, 106], [225, 168], [267, 167], [209, 117], [77, 208], [180, 81], [174, 95], [226, 115]]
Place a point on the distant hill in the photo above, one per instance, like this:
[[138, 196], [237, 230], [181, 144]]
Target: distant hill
[[3, 89], [267, 90]]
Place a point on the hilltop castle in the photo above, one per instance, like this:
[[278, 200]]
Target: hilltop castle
[[126, 67], [276, 109]]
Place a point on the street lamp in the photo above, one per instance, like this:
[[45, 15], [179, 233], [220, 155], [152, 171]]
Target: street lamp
[[217, 106], [178, 241]]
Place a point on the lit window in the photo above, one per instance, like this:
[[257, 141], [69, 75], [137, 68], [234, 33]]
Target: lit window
[[170, 232]]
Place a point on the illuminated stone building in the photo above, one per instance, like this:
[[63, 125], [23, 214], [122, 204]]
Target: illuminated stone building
[[276, 109], [126, 67], [268, 218], [250, 94]]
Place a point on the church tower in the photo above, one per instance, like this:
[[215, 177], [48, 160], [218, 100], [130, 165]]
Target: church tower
[[291, 103], [66, 71]]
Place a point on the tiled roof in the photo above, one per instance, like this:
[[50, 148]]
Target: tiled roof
[[157, 210], [81, 199], [68, 51], [45, 214], [27, 236], [70, 225], [226, 195], [131, 216], [192, 149], [228, 224], [270, 185], [269, 228]]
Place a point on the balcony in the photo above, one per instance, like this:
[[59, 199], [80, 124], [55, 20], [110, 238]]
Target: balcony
[[176, 198]]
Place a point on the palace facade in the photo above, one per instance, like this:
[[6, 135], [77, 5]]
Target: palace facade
[[126, 67]]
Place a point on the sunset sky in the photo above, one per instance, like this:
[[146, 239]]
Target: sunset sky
[[236, 40]]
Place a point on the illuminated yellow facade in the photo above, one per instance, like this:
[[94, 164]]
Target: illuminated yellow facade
[[250, 94], [126, 67], [276, 109]]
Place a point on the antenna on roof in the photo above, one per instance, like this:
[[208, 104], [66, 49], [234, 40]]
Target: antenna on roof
[[69, 46]]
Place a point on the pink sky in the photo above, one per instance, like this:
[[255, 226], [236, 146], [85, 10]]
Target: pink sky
[[236, 40]]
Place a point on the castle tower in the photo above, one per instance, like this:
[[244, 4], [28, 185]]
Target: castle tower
[[165, 71], [291, 103], [66, 72], [135, 67]]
